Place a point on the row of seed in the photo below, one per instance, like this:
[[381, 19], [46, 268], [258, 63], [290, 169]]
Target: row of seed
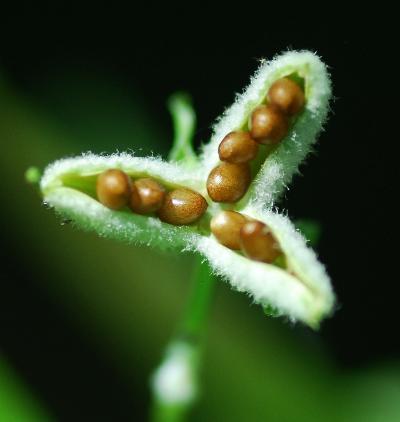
[[116, 190], [252, 237], [228, 182], [268, 125]]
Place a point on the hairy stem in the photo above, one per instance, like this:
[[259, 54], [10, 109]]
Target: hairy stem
[[175, 382]]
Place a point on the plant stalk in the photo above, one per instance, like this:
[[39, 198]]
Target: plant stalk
[[175, 382]]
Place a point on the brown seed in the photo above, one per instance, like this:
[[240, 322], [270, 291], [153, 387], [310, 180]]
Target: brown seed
[[228, 182], [258, 242], [237, 147], [226, 226], [287, 95], [113, 188], [182, 206], [268, 125], [147, 196]]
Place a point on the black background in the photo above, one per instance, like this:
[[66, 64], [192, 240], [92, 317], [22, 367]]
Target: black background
[[349, 188]]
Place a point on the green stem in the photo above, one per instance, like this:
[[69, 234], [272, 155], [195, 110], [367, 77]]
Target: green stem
[[175, 382], [184, 121], [195, 317]]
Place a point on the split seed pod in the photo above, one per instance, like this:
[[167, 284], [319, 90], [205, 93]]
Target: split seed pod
[[268, 125], [182, 206], [301, 289], [226, 226], [258, 242], [238, 147], [147, 196], [113, 188], [228, 182], [286, 95]]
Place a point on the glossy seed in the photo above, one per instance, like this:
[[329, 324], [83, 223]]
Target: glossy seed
[[182, 206], [228, 182], [237, 147], [226, 226], [258, 243], [287, 95], [268, 125], [147, 196], [113, 188]]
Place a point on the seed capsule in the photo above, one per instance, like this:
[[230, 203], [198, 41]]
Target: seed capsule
[[258, 242], [228, 182], [237, 147], [182, 206], [113, 188], [268, 125], [287, 95], [147, 196], [226, 226]]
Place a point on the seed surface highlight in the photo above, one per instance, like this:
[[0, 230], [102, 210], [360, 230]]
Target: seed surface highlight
[[287, 95], [113, 188], [268, 125], [226, 226], [258, 242], [228, 182], [237, 147], [147, 196], [182, 206]]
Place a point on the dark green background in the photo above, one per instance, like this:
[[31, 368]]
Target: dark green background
[[84, 320]]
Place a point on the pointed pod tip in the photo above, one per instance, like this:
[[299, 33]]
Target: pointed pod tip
[[33, 175]]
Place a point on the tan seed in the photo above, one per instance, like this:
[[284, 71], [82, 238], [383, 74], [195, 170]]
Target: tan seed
[[287, 95], [268, 125], [113, 188], [258, 242], [228, 182], [226, 226], [147, 196], [182, 206], [237, 147]]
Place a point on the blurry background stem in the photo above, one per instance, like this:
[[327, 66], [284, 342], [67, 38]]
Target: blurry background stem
[[175, 383]]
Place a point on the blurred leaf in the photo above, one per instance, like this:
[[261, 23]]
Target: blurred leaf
[[16, 403], [371, 394]]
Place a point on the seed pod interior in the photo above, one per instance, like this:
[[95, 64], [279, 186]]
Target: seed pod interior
[[276, 167], [300, 288], [308, 299]]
